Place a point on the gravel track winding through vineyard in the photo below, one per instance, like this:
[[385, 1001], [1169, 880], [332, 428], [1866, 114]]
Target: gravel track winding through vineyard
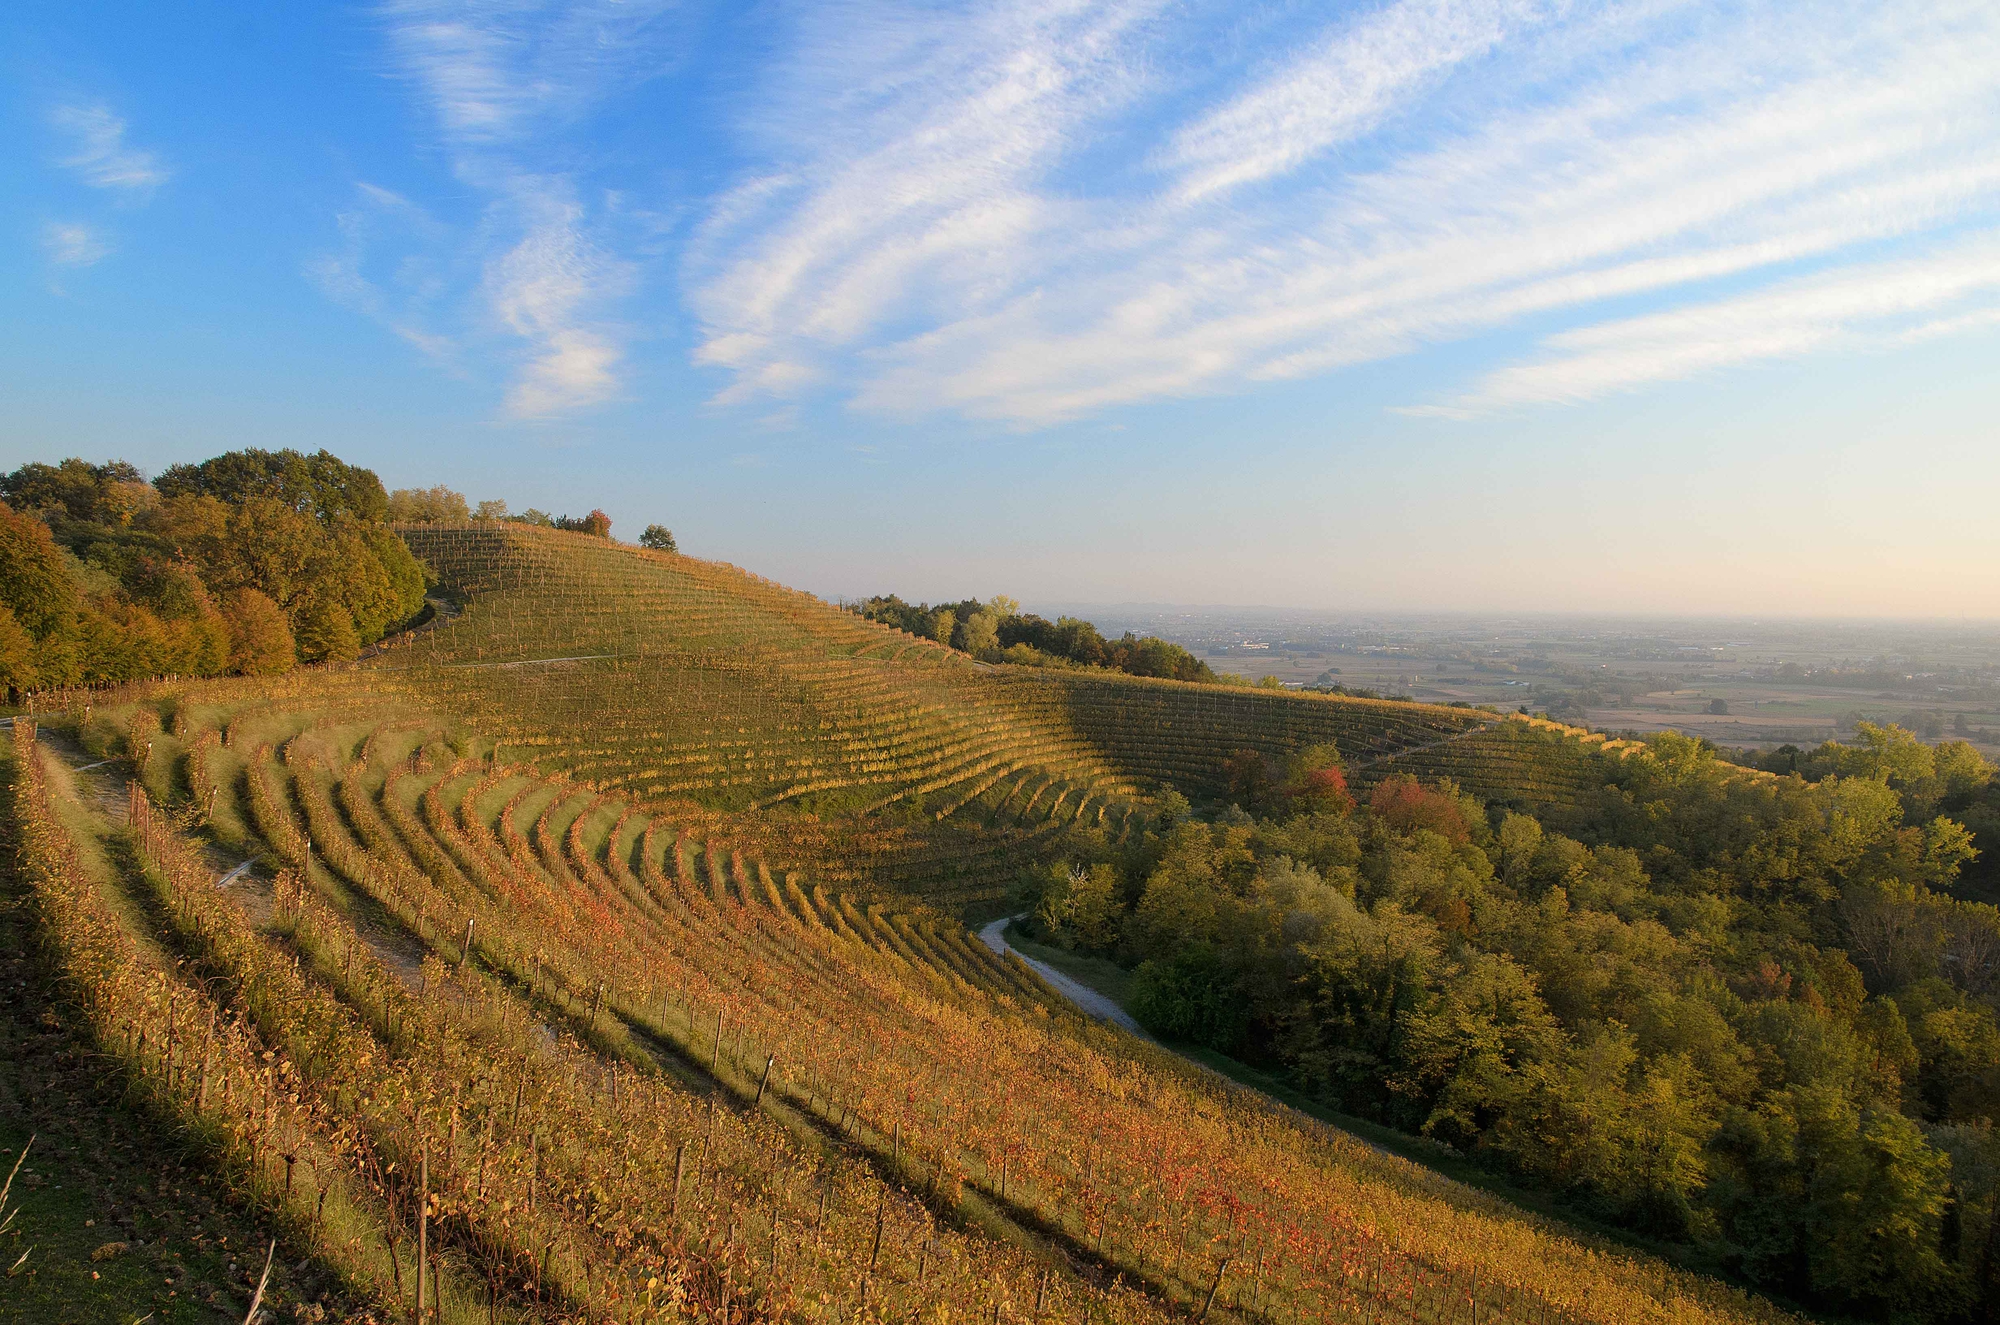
[[1093, 1003]]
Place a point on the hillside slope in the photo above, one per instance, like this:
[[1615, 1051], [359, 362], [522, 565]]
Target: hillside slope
[[660, 676], [639, 1069], [538, 968]]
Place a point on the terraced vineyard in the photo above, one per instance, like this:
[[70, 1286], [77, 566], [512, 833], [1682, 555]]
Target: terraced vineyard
[[830, 745], [1537, 764], [1169, 732], [655, 675], [599, 959], [642, 1075]]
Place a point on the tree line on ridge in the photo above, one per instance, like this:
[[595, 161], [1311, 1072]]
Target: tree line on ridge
[[998, 631], [248, 563]]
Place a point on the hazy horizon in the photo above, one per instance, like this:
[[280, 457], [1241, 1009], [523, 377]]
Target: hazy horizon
[[1414, 615]]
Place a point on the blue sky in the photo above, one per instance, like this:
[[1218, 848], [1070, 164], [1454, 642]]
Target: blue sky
[[1436, 304]]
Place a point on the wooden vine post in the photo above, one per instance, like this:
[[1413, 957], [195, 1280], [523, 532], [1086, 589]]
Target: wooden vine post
[[1213, 1289], [423, 1226]]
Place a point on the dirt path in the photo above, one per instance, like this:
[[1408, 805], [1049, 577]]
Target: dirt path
[[103, 785], [1358, 764], [250, 884], [1093, 1003]]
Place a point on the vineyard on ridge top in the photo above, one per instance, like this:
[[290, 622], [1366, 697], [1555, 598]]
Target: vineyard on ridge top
[[656, 675]]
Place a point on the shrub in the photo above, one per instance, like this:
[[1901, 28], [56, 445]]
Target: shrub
[[1405, 805], [1190, 996]]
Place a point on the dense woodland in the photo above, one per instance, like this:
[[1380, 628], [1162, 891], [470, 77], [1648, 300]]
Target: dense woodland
[[1746, 1011], [998, 631], [250, 563], [1977, 810]]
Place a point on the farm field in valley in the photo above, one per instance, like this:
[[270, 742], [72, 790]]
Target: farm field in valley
[[1781, 682]]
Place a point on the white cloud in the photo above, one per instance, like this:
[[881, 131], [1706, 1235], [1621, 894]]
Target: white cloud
[[571, 369], [497, 72], [510, 85], [920, 141], [1952, 290], [100, 156], [935, 226], [540, 289], [1034, 210], [1345, 86], [70, 244]]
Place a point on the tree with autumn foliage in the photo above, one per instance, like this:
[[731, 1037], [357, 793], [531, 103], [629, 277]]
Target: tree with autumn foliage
[[111, 578], [1315, 783], [1406, 805], [597, 524]]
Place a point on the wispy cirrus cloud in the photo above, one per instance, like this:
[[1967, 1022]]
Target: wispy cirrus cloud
[[510, 87], [405, 294], [1424, 172], [1342, 87], [502, 72], [909, 147], [72, 244], [539, 287], [98, 153], [1872, 305], [1033, 210]]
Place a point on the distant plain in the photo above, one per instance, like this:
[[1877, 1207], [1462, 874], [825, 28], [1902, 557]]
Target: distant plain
[[1776, 682]]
